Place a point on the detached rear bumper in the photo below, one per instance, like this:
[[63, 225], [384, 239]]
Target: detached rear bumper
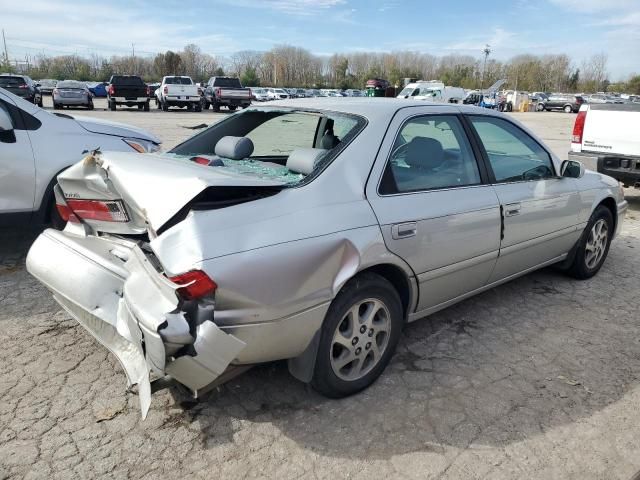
[[111, 288]]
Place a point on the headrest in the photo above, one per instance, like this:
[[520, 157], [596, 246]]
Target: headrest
[[235, 148], [424, 153], [304, 160]]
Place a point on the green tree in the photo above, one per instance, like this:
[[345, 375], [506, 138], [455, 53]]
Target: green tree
[[633, 85], [249, 78]]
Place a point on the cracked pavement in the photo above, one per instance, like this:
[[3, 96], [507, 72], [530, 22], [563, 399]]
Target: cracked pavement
[[538, 378]]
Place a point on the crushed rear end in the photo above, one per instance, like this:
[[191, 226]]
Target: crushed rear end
[[102, 270]]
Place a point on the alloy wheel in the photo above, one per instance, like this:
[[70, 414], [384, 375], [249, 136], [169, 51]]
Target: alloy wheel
[[596, 243], [360, 339]]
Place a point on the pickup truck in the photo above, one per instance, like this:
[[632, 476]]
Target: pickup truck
[[605, 136], [180, 92], [226, 91], [127, 90]]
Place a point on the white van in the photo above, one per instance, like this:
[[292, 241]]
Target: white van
[[433, 91]]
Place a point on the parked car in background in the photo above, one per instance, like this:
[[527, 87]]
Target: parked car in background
[[127, 90], [301, 93], [153, 90], [22, 86], [71, 93], [225, 92], [354, 93], [259, 94], [606, 135], [313, 92], [46, 85], [277, 94], [36, 145], [566, 102], [312, 232], [178, 91]]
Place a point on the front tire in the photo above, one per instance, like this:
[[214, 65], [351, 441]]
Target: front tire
[[358, 336], [568, 109], [593, 246]]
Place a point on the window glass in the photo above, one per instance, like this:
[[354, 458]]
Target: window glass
[[514, 155], [283, 134], [430, 152]]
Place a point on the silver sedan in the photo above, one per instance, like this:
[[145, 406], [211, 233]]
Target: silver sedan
[[70, 93], [312, 231]]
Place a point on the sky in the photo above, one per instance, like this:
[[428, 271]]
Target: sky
[[579, 28]]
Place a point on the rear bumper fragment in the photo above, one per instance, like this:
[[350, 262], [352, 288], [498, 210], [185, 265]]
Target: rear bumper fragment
[[115, 293]]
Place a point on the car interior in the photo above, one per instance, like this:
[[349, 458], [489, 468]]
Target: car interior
[[271, 141]]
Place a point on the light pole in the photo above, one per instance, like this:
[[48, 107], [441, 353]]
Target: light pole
[[486, 51]]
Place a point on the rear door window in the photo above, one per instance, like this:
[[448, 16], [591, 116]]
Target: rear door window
[[430, 152]]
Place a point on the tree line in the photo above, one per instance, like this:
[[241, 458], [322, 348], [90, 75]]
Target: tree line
[[291, 66]]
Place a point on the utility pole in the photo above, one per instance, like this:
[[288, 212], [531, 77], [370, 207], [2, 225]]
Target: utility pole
[[486, 51], [6, 55]]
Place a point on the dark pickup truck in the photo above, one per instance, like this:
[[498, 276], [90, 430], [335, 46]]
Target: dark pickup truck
[[225, 91], [128, 90]]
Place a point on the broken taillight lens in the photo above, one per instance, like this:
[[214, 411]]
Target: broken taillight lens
[[101, 210], [67, 214], [194, 284]]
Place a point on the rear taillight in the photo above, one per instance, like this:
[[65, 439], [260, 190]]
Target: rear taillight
[[112, 91], [165, 89], [218, 92], [194, 284], [148, 91], [199, 91], [56, 91], [66, 213], [578, 127], [101, 210]]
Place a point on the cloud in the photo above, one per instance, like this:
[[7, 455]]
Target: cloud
[[590, 6]]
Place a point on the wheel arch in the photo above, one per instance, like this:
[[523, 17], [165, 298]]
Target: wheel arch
[[43, 214], [610, 203]]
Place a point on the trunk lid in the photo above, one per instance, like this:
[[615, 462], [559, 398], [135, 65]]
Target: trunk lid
[[107, 127], [154, 187]]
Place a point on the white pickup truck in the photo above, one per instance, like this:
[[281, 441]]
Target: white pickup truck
[[605, 136], [175, 91]]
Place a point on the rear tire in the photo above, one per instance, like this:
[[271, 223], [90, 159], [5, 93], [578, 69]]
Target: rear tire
[[145, 107], [358, 336], [112, 105], [593, 246], [197, 107], [232, 108], [216, 107], [540, 107], [165, 107], [568, 109], [205, 104], [90, 105]]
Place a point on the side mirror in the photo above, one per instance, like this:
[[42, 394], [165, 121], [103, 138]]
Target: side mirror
[[571, 169]]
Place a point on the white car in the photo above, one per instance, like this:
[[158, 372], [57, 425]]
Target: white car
[[32, 154], [433, 91], [277, 94], [259, 94]]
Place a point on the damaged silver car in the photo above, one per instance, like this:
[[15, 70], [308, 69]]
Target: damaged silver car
[[311, 231]]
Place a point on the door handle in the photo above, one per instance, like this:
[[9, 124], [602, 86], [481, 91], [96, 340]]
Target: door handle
[[404, 230], [511, 209]]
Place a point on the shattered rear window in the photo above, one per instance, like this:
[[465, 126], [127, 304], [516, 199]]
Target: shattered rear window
[[275, 133]]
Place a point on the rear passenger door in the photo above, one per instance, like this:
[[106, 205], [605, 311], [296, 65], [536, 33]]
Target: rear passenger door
[[435, 210], [540, 209]]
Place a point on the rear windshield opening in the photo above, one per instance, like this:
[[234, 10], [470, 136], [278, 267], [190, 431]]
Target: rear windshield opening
[[287, 145], [177, 81]]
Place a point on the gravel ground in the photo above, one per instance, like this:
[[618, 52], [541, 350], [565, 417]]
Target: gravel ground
[[538, 378]]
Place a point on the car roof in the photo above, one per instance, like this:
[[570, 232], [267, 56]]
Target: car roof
[[369, 106]]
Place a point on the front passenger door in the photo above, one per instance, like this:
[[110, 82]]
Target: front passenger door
[[540, 209]]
